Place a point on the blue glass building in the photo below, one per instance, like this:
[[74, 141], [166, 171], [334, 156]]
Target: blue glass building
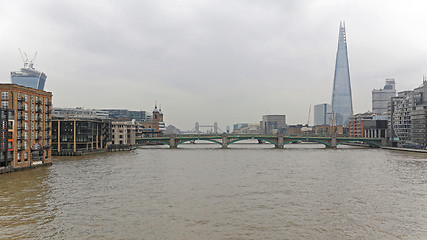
[[342, 105], [29, 77]]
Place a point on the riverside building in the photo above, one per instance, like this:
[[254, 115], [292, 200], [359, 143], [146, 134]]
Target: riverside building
[[368, 125], [123, 135], [153, 126], [25, 117], [407, 114], [77, 131]]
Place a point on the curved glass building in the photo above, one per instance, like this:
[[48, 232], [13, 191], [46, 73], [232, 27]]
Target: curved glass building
[[29, 77]]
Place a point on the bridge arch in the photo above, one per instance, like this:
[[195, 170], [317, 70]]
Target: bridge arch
[[189, 140], [308, 140], [248, 138], [374, 144], [164, 142]]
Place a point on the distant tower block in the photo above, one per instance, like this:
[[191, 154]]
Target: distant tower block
[[342, 104]]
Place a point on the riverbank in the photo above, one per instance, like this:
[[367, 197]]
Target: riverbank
[[406, 149], [10, 169]]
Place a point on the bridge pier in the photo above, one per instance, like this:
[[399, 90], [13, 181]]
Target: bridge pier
[[224, 141], [280, 141], [333, 142], [172, 142]]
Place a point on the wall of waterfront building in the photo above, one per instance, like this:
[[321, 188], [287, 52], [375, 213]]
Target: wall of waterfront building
[[75, 136], [123, 134], [328, 131], [367, 125], [26, 131], [7, 137], [407, 114]]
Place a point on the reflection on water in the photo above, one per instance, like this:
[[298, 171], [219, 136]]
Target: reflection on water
[[200, 191]]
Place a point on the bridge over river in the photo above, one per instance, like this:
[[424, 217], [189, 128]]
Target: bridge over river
[[278, 140]]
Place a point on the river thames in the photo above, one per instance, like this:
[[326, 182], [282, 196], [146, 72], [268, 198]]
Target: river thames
[[200, 191]]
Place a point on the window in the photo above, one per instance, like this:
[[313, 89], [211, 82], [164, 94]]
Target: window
[[26, 97], [26, 107], [5, 104], [25, 145], [18, 156], [25, 137], [26, 116], [9, 145], [26, 126], [4, 95], [25, 155]]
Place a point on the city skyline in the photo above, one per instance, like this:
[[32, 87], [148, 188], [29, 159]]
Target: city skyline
[[209, 61]]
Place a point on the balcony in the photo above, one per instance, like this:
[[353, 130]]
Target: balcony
[[39, 102], [21, 99], [38, 110]]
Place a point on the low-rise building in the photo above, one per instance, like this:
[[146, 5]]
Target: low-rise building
[[77, 131], [247, 128], [123, 134], [153, 128], [328, 131], [367, 125]]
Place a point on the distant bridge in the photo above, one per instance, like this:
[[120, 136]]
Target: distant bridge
[[278, 140]]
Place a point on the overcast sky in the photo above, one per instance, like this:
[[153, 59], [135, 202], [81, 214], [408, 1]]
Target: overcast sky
[[213, 60]]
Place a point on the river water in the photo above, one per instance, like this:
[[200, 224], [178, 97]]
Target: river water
[[202, 192]]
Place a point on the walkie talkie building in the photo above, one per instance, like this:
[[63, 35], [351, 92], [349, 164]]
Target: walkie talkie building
[[342, 105]]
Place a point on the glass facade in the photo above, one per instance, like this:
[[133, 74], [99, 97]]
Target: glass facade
[[322, 113], [28, 77], [342, 105]]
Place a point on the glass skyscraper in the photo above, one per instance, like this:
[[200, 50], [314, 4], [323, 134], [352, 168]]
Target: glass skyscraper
[[29, 77], [342, 105]]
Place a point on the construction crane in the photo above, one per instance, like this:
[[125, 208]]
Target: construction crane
[[27, 62], [309, 112]]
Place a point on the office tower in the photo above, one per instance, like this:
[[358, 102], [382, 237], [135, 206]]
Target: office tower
[[381, 97], [342, 105], [322, 113], [28, 76]]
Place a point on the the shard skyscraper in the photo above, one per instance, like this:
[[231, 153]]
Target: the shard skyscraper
[[342, 104]]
